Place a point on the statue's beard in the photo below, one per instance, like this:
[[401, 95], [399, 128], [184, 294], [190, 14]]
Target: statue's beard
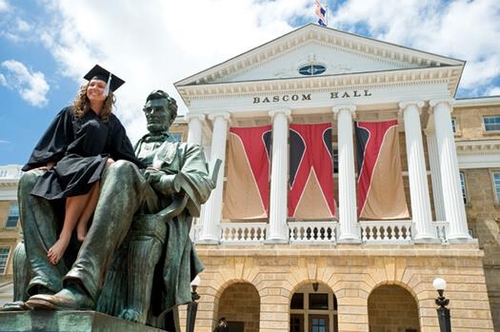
[[157, 128]]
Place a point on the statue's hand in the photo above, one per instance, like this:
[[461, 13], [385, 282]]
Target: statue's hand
[[161, 182]]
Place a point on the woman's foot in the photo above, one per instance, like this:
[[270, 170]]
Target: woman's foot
[[57, 250]]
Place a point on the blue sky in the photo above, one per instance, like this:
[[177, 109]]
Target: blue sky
[[46, 46]]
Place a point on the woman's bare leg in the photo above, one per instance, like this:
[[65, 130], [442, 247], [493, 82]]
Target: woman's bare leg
[[81, 227], [79, 209], [75, 206]]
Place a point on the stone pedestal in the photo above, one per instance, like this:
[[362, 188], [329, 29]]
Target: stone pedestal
[[74, 321]]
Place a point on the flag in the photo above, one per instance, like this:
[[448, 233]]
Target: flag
[[380, 189], [246, 195], [311, 172], [321, 13]]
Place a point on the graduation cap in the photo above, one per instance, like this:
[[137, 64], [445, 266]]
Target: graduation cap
[[113, 82]]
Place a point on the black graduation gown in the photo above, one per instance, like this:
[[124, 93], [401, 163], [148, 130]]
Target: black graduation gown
[[80, 147]]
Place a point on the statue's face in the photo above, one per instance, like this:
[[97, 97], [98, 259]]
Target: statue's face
[[158, 115]]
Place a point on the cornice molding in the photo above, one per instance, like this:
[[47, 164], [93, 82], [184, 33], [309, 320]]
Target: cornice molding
[[360, 81], [478, 147]]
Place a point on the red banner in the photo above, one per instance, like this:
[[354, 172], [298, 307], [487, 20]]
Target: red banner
[[380, 181], [311, 172], [246, 195]]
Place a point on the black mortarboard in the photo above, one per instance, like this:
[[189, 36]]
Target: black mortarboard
[[113, 81]]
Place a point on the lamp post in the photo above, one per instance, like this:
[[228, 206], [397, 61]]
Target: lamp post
[[193, 305], [443, 313]]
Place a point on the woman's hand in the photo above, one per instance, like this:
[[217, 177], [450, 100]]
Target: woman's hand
[[49, 165]]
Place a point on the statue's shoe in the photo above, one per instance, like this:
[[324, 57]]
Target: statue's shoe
[[132, 315], [15, 306], [66, 299]]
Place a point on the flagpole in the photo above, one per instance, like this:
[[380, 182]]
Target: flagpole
[[326, 13]]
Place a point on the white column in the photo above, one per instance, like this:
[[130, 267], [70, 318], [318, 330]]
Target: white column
[[450, 178], [417, 172], [195, 134], [213, 208], [435, 176], [348, 218], [278, 230], [195, 128]]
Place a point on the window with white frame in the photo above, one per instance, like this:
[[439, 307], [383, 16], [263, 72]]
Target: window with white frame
[[464, 188], [4, 254], [313, 309], [491, 123], [496, 185], [13, 216]]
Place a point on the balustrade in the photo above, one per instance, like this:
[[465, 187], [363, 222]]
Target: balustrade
[[323, 232]]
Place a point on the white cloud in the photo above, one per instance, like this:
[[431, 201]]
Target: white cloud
[[462, 29], [495, 91], [4, 6], [22, 25], [13, 27], [157, 43], [31, 86]]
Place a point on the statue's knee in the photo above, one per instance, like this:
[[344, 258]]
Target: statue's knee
[[121, 168], [121, 174], [27, 182], [29, 178]]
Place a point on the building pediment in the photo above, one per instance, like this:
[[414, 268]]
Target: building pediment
[[323, 57]]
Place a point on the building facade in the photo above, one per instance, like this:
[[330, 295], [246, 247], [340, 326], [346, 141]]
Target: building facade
[[9, 227], [282, 272], [273, 270]]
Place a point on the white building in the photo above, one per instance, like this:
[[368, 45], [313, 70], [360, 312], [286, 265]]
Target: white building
[[346, 273]]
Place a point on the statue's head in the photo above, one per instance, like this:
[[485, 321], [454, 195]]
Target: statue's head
[[160, 110]]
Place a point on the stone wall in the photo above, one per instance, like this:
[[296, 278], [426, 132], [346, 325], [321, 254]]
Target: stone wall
[[352, 273], [8, 237], [483, 215], [240, 302], [483, 212], [392, 309]]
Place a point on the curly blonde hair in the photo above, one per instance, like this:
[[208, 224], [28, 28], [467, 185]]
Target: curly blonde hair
[[81, 104]]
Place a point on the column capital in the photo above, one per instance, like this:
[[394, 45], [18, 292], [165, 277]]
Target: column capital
[[190, 117], [405, 103], [434, 102], [284, 111], [347, 107], [448, 102], [224, 115]]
